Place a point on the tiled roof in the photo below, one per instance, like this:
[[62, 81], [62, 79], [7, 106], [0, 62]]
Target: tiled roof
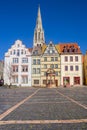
[[44, 48], [36, 50], [57, 48], [30, 50], [67, 48]]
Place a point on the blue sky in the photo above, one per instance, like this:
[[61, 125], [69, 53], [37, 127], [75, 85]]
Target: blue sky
[[63, 21]]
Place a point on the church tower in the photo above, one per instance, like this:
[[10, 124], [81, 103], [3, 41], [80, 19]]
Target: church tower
[[38, 32]]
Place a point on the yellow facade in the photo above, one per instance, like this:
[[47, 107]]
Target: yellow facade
[[85, 69], [50, 61]]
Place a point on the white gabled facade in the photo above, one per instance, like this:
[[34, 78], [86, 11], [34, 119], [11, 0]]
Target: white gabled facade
[[17, 65]]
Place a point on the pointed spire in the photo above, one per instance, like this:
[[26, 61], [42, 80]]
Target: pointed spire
[[39, 32], [39, 20]]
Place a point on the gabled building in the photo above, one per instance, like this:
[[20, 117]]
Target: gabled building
[[44, 65], [50, 66], [36, 66], [38, 42], [71, 64], [17, 65]]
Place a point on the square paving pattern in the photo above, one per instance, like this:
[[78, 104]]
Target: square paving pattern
[[43, 108]]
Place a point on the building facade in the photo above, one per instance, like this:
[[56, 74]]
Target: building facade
[[17, 67], [44, 65], [36, 66], [50, 66], [71, 64]]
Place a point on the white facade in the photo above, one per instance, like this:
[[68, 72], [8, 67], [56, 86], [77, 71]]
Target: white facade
[[71, 69], [17, 65]]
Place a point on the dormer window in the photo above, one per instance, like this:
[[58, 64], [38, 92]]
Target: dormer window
[[35, 52], [76, 49], [65, 50]]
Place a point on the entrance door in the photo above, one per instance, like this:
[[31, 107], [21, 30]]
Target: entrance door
[[66, 81], [76, 80], [56, 82]]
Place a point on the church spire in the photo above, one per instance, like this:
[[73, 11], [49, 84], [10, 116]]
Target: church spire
[[39, 20], [39, 32]]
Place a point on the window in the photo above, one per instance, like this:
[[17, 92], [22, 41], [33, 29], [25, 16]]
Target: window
[[66, 68], [71, 58], [34, 61], [56, 66], [76, 80], [15, 79], [48, 51], [18, 45], [52, 58], [66, 58], [14, 52], [45, 58], [53, 51], [76, 68], [36, 81], [38, 61], [38, 70], [66, 80], [10, 52], [44, 73], [35, 52], [34, 70], [71, 68], [45, 66], [24, 68], [24, 60], [22, 51], [52, 66], [76, 58], [15, 68], [15, 60], [56, 58], [18, 52], [56, 73], [24, 79], [44, 81]]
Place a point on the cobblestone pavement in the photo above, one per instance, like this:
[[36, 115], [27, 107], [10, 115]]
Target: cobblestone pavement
[[43, 109]]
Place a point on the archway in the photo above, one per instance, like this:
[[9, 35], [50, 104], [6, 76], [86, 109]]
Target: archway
[[50, 78]]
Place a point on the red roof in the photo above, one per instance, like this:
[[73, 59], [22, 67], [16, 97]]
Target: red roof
[[69, 48]]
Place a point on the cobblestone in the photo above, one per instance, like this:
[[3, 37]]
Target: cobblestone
[[46, 104]]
